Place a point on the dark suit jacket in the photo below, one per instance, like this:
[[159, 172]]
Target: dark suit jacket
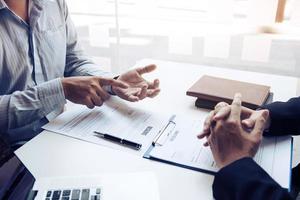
[[244, 179]]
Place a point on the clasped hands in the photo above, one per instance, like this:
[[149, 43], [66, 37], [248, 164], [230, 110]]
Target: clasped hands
[[233, 131], [131, 86]]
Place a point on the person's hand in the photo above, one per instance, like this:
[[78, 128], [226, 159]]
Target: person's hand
[[138, 88], [222, 111], [87, 90], [209, 120], [248, 116], [228, 139]]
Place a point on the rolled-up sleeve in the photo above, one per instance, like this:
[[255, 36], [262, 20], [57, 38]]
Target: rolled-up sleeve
[[23, 107]]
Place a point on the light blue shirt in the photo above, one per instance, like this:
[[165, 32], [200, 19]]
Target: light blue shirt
[[33, 59]]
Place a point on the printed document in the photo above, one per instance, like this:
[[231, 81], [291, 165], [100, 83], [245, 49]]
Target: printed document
[[175, 137], [181, 146], [114, 117]]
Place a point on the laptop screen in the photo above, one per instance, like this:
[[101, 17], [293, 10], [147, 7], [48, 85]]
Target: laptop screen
[[15, 180]]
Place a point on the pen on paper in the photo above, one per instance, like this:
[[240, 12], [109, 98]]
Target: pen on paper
[[115, 139]]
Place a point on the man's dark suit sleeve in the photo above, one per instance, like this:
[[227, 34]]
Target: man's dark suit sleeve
[[285, 117], [245, 180]]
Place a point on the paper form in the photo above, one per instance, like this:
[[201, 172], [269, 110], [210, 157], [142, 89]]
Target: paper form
[[183, 147], [114, 117], [274, 156]]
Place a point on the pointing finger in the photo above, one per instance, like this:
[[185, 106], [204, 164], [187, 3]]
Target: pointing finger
[[112, 82]]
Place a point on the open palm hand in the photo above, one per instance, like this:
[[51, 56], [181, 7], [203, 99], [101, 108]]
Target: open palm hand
[[138, 87]]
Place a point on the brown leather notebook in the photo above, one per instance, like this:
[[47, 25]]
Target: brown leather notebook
[[210, 90]]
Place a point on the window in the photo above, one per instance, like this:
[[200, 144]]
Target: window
[[224, 33]]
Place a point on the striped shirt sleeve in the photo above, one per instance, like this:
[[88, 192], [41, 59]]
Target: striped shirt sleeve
[[23, 107]]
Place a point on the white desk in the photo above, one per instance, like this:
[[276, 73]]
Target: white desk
[[51, 154]]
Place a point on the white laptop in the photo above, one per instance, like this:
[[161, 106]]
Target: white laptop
[[17, 183]]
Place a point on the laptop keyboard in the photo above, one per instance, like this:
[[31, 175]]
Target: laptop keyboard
[[75, 194]]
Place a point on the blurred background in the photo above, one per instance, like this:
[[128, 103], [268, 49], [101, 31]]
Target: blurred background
[[253, 35]]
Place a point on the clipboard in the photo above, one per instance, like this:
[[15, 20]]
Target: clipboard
[[147, 155], [165, 132], [161, 138]]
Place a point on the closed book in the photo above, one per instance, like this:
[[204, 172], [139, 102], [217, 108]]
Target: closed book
[[210, 90]]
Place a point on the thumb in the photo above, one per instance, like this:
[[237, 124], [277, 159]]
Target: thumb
[[260, 124], [147, 69], [249, 123], [112, 82]]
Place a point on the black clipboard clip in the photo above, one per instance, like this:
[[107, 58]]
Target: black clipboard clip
[[165, 132]]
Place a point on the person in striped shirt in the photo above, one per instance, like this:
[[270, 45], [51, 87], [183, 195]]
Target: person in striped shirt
[[42, 65]]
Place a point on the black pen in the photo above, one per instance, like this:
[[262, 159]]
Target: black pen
[[124, 142]]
